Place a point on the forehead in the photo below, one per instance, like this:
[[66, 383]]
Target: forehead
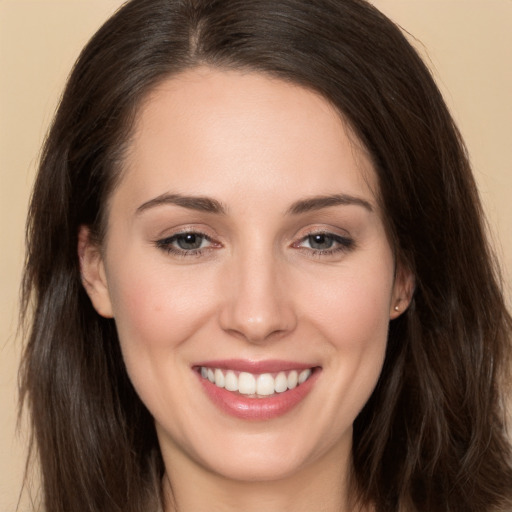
[[206, 129]]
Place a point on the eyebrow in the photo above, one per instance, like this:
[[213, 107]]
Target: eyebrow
[[319, 202], [210, 205], [198, 203]]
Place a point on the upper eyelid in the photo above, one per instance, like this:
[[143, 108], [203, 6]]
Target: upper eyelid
[[184, 231], [322, 230]]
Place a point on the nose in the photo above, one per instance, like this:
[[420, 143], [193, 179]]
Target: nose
[[258, 303]]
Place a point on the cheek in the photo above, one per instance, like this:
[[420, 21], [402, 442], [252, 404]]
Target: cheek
[[352, 313], [156, 308], [157, 312], [352, 308]]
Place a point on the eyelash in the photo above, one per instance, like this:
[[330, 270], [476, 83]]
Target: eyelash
[[166, 244], [341, 244]]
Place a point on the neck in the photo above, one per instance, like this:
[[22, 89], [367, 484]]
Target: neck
[[321, 486]]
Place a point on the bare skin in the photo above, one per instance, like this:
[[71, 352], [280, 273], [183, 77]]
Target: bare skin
[[246, 227]]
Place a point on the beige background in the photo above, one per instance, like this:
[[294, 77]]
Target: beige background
[[469, 47]]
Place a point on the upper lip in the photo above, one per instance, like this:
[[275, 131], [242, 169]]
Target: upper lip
[[255, 367]]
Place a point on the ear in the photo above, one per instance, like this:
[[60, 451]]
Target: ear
[[92, 271], [403, 290]]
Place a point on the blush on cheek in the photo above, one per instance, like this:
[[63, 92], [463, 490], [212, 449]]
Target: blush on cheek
[[159, 310], [358, 318]]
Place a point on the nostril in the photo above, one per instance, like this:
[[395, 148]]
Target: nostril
[[272, 324]]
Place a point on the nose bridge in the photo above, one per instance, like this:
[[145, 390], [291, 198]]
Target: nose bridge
[[258, 304]]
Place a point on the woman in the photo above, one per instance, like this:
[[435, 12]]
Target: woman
[[260, 273]]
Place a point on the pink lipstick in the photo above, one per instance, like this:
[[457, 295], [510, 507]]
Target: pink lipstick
[[256, 390]]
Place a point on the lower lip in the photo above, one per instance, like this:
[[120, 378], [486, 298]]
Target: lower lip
[[256, 409]]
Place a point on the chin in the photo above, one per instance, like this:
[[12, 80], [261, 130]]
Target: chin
[[261, 467]]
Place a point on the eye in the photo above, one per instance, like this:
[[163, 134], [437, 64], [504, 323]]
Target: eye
[[320, 241], [188, 243], [323, 243]]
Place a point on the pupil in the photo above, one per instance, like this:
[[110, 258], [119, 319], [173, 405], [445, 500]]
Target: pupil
[[320, 241], [189, 241]]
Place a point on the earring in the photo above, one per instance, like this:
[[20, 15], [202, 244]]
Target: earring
[[397, 308]]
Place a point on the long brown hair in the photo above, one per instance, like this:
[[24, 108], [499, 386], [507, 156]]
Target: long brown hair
[[432, 436]]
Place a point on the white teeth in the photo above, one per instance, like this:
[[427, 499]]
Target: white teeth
[[304, 375], [231, 381], [281, 383], [246, 384], [293, 379], [219, 378], [265, 384], [260, 385]]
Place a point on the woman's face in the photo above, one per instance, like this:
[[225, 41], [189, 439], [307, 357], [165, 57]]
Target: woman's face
[[245, 244]]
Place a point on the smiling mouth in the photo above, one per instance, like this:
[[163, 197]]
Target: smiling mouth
[[253, 385]]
